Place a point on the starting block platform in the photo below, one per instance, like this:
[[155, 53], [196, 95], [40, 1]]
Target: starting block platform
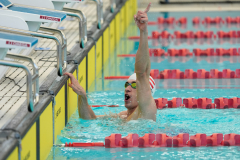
[[13, 84]]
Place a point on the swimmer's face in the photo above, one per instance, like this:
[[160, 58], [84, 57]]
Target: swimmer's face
[[130, 96]]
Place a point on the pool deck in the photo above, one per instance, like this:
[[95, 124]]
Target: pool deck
[[11, 97]]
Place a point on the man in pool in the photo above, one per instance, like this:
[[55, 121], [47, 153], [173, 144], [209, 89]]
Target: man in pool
[[138, 95]]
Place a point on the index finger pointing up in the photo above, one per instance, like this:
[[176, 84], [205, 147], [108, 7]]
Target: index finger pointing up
[[148, 8]]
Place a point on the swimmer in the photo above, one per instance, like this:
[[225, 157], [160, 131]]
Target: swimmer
[[139, 88]]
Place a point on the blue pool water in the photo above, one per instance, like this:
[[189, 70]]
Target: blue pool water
[[170, 121]]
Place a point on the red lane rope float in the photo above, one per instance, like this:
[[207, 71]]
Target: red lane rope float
[[208, 20], [163, 35], [170, 20], [182, 20], [117, 77], [80, 144], [206, 52], [190, 74], [193, 103], [191, 34], [126, 55], [185, 52], [196, 20], [227, 52], [157, 52], [162, 20], [180, 52], [216, 20], [230, 34], [218, 52], [155, 35], [152, 23], [105, 105], [230, 20], [137, 37], [150, 140]]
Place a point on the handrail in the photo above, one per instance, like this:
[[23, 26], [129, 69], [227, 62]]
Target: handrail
[[64, 42], [113, 5], [42, 35], [71, 14], [35, 75], [82, 26], [99, 13], [30, 100]]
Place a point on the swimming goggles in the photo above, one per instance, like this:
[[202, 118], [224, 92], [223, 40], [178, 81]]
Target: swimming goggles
[[133, 85]]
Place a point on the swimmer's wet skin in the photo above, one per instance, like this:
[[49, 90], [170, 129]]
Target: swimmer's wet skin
[[139, 102]]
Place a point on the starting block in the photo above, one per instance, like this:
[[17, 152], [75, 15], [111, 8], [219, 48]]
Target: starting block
[[54, 5], [31, 15], [17, 41]]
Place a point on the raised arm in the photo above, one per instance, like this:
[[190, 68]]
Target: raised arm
[[84, 109], [146, 102]]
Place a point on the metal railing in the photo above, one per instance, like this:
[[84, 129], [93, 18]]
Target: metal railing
[[61, 63], [63, 46], [82, 25], [32, 98], [99, 12], [69, 13], [113, 5]]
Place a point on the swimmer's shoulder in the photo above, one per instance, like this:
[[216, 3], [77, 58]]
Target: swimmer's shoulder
[[123, 114]]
